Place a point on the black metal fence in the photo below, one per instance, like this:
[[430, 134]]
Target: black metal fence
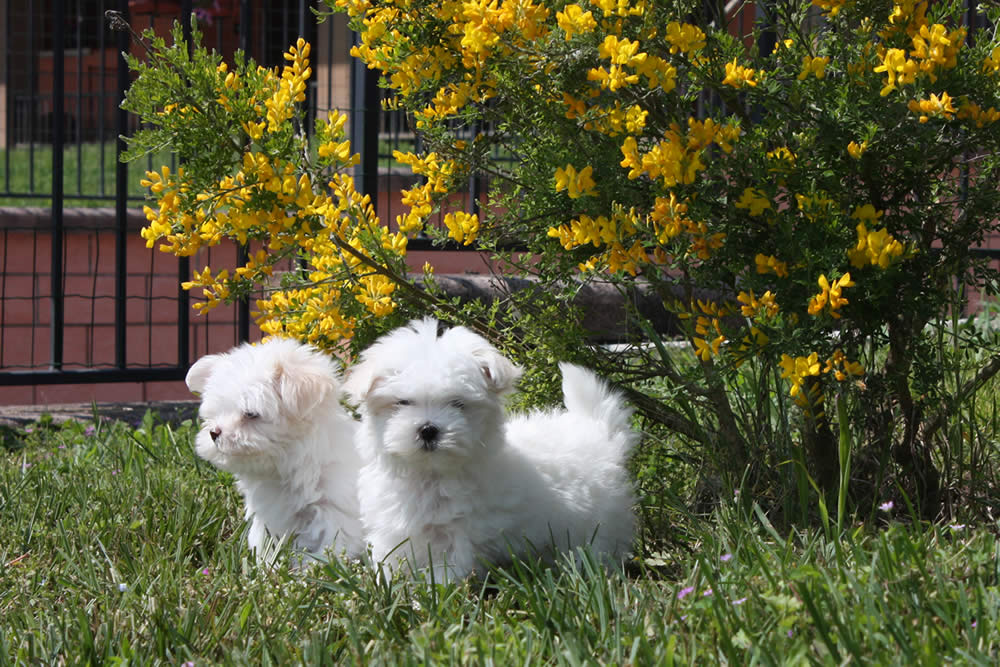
[[81, 299]]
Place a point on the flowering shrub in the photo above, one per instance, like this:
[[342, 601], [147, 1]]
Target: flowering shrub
[[251, 175], [826, 192], [804, 212]]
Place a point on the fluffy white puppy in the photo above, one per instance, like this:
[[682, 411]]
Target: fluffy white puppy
[[272, 416], [450, 482]]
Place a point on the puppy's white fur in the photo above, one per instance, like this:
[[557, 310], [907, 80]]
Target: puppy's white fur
[[272, 416], [449, 481]]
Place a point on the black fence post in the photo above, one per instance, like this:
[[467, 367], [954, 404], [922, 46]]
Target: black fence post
[[184, 263], [242, 251], [58, 138], [123, 45], [366, 107]]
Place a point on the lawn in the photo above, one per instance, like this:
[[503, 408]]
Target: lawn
[[118, 544], [88, 175], [26, 173]]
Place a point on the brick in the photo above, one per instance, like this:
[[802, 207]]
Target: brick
[[24, 252], [166, 391], [18, 306], [17, 395], [25, 348]]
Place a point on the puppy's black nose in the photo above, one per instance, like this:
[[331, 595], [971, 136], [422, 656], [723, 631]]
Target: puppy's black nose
[[215, 433], [429, 433]]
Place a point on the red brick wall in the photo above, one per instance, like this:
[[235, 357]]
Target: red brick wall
[[89, 312]]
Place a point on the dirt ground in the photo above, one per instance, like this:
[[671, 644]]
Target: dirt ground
[[172, 412]]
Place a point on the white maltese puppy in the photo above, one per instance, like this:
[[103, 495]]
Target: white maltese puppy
[[449, 482], [272, 416]]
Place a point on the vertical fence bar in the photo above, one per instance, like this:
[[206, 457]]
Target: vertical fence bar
[[971, 21], [122, 43], [184, 263], [58, 128], [365, 117], [242, 252]]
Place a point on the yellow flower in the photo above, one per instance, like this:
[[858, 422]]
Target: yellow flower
[[375, 292], [705, 350], [991, 64], [709, 338], [738, 76], [753, 200], [856, 150], [935, 47], [898, 69], [797, 369], [842, 368], [830, 294], [462, 226], [577, 183], [753, 307], [973, 111], [815, 66], [832, 7], [934, 106], [685, 38], [574, 21], [771, 264], [875, 248]]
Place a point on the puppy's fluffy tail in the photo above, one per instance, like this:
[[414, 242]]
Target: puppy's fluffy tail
[[586, 395]]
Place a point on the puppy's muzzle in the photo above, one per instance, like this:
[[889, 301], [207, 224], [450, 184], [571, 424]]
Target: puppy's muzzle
[[428, 434]]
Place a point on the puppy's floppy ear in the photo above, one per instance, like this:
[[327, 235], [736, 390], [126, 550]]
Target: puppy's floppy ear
[[197, 375], [303, 385], [500, 372]]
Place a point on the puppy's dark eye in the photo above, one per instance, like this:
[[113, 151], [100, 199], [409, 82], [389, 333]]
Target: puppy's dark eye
[[402, 403], [250, 414], [458, 405]]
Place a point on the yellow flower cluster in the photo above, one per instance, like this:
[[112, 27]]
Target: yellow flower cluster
[[841, 367], [831, 294], [574, 21], [612, 121], [770, 264], [874, 248], [934, 48], [815, 66], [797, 369], [677, 159], [991, 64], [291, 89], [684, 38], [284, 207], [856, 150], [739, 76], [831, 7], [709, 338], [576, 183], [899, 70], [438, 171], [933, 107], [462, 226], [754, 201], [753, 307], [981, 117]]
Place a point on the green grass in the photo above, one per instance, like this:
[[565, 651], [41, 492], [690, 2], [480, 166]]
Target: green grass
[[118, 544], [26, 171]]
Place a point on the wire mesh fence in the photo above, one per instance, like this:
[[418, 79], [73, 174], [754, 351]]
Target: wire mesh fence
[[82, 300]]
